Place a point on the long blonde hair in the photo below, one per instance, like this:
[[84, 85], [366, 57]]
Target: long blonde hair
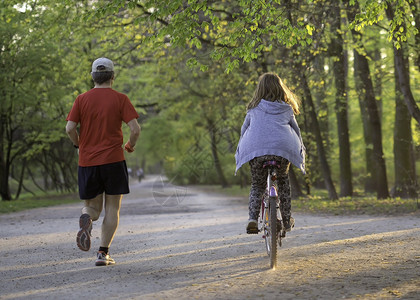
[[271, 88]]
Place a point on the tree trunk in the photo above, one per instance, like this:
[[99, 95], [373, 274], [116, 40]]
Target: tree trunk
[[405, 174], [296, 191], [321, 101], [369, 180], [322, 156], [215, 154], [320, 146], [340, 70], [378, 75], [309, 136], [22, 173], [366, 92], [4, 182], [35, 182], [4, 165], [363, 74], [321, 104]]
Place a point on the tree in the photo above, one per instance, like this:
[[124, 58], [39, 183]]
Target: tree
[[405, 173], [233, 28], [298, 66], [367, 96], [190, 67], [32, 80], [400, 29], [402, 70], [252, 35], [22, 64], [340, 71], [320, 146]]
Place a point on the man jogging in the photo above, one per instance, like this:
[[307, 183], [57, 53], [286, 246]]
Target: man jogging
[[102, 172]]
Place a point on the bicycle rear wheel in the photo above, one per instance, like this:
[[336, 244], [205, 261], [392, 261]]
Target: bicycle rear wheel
[[271, 238]]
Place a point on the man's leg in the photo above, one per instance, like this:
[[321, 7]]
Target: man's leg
[[111, 219], [109, 227], [90, 212], [115, 179], [93, 207]]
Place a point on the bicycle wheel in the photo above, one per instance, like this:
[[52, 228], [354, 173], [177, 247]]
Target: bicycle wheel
[[273, 232], [266, 226]]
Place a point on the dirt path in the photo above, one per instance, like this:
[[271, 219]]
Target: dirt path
[[193, 246]]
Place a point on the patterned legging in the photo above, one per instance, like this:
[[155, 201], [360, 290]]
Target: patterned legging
[[259, 183]]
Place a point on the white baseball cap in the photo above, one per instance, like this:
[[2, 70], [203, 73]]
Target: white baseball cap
[[103, 65]]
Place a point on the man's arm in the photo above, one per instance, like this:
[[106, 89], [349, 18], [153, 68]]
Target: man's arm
[[134, 135], [72, 132]]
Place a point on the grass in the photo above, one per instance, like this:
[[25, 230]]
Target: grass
[[29, 202], [319, 203], [316, 203], [355, 205]]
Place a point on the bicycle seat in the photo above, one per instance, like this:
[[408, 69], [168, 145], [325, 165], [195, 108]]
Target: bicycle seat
[[271, 163]]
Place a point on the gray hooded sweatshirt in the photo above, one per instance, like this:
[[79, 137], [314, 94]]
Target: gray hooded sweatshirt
[[271, 129]]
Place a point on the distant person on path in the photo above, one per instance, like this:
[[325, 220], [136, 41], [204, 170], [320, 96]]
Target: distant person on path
[[140, 174], [270, 132], [102, 173]]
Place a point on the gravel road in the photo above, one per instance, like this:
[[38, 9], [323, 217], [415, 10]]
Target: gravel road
[[181, 243]]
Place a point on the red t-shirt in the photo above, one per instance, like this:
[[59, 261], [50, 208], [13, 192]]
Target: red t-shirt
[[100, 113]]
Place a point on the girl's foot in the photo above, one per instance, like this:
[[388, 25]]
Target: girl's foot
[[288, 224], [252, 227]]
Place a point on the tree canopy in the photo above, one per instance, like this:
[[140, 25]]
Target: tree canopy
[[190, 67]]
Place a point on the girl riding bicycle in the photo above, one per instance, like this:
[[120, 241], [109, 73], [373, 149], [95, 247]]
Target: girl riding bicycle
[[270, 132]]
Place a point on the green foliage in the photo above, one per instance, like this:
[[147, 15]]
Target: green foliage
[[355, 205], [166, 35], [36, 202], [37, 67], [189, 68], [402, 26], [239, 33]]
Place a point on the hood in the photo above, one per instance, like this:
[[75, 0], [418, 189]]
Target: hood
[[274, 108]]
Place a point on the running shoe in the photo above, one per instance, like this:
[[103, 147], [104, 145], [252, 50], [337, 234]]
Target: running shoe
[[84, 234], [104, 259], [289, 224], [252, 227]]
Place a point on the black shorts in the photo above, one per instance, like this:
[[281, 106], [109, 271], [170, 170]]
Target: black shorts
[[110, 178]]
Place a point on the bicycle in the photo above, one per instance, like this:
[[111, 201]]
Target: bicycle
[[270, 220]]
